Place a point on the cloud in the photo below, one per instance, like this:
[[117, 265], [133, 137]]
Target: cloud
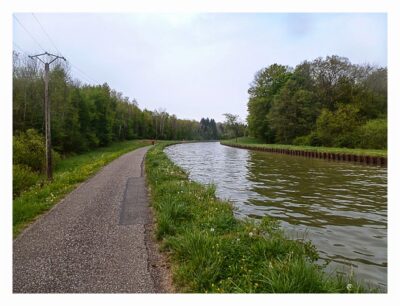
[[200, 65]]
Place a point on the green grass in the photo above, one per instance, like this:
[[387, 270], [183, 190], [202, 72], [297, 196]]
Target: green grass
[[68, 173], [255, 143], [212, 251]]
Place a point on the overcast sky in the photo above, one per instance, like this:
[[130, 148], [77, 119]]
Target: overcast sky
[[197, 65]]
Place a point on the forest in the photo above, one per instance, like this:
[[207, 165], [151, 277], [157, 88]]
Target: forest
[[325, 102], [84, 116]]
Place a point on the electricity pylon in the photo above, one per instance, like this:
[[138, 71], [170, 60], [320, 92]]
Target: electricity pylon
[[47, 58]]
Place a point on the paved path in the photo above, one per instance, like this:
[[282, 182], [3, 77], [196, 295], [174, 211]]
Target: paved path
[[94, 240]]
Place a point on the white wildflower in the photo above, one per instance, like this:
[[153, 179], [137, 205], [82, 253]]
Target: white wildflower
[[251, 234], [212, 229], [349, 287]]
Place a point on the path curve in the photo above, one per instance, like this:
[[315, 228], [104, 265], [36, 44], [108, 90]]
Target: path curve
[[94, 240]]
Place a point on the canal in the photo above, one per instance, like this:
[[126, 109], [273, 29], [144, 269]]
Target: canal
[[340, 206]]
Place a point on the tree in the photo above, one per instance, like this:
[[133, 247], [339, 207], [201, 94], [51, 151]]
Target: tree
[[266, 84], [233, 125], [320, 102]]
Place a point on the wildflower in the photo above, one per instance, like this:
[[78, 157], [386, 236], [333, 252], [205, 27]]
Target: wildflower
[[349, 287], [251, 234], [238, 239], [270, 265], [212, 229]]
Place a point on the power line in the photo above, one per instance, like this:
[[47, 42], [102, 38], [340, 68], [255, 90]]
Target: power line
[[19, 22], [44, 31], [82, 76], [86, 76], [54, 45]]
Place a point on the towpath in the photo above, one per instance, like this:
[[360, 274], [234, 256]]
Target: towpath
[[95, 240]]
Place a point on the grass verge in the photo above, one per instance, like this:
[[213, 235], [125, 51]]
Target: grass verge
[[211, 251], [255, 143], [68, 173]]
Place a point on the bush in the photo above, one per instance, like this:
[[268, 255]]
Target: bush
[[337, 129], [29, 150], [23, 178], [373, 134], [307, 140]]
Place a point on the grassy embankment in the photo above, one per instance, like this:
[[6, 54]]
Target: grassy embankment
[[68, 173], [255, 143], [211, 251]]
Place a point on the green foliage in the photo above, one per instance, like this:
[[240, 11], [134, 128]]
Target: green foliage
[[308, 140], [233, 126], [292, 113], [298, 106], [23, 179], [337, 129], [29, 150], [212, 251], [208, 129], [266, 85], [373, 134]]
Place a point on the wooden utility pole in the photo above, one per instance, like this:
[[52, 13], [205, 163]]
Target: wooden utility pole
[[47, 58]]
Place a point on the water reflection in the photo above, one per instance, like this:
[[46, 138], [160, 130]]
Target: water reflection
[[341, 207]]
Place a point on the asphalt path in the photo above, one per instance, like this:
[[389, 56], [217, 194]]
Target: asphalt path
[[94, 240]]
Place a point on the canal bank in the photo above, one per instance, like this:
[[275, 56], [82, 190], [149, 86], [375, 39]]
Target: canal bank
[[212, 251], [332, 154]]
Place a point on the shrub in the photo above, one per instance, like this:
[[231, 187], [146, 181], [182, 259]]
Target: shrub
[[307, 140], [373, 134], [29, 150], [23, 178], [338, 128]]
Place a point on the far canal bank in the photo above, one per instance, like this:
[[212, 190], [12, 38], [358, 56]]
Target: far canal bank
[[368, 157]]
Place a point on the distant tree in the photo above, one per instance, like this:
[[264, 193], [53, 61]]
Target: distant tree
[[233, 124], [208, 129]]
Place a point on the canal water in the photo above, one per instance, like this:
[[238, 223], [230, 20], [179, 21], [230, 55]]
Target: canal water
[[341, 207]]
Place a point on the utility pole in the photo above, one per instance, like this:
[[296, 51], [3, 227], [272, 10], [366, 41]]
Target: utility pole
[[47, 58]]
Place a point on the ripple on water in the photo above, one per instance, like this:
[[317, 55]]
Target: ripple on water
[[341, 207]]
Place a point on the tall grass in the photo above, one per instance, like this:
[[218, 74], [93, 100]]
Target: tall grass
[[69, 172], [212, 251]]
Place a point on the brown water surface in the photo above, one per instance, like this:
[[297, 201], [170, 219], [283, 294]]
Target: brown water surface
[[341, 207]]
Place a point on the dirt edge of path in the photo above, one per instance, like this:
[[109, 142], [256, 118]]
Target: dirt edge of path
[[158, 263]]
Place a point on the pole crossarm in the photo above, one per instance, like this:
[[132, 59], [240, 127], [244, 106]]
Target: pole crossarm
[[53, 57]]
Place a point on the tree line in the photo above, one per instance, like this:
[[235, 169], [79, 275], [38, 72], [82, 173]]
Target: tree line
[[324, 102], [89, 116]]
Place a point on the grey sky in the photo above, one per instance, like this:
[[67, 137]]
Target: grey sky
[[198, 65]]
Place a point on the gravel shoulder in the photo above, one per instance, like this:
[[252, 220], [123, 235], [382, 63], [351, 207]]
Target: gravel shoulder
[[97, 239]]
